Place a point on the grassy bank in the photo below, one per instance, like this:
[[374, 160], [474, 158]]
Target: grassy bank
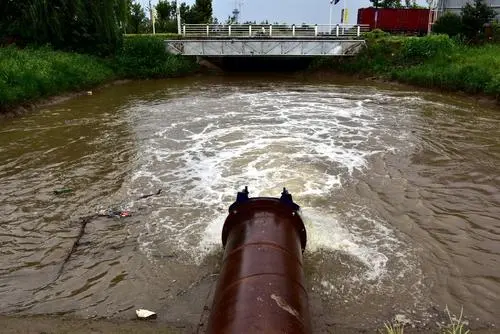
[[32, 73], [432, 62]]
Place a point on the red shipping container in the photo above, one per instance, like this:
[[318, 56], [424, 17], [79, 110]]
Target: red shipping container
[[404, 20]]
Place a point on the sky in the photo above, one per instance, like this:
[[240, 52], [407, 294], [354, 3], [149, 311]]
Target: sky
[[285, 11], [289, 11]]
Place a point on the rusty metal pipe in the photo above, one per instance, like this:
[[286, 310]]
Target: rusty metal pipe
[[261, 286]]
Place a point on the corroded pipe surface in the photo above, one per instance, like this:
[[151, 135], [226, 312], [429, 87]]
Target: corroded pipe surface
[[261, 285]]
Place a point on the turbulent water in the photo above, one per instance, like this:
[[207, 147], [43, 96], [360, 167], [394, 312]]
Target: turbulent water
[[399, 191]]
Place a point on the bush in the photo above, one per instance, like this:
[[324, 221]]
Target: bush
[[449, 24], [32, 73], [38, 72], [375, 34], [474, 17], [496, 32], [435, 62], [146, 57], [493, 87], [474, 78], [418, 49]]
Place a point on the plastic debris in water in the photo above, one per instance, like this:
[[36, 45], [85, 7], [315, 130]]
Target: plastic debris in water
[[62, 191], [112, 213], [125, 214], [145, 314]]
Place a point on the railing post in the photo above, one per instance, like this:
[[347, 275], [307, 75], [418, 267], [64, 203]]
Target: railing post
[[359, 30], [184, 30], [208, 30], [229, 30], [337, 30], [270, 30], [250, 30], [293, 30], [316, 30]]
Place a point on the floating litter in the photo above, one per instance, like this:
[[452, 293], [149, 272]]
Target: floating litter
[[145, 314]]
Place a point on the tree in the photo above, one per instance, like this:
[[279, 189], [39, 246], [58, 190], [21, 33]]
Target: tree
[[202, 11], [386, 3], [94, 26], [136, 19], [187, 13], [165, 10], [474, 17], [413, 4], [167, 20]]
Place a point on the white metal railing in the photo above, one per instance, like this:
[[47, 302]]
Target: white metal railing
[[274, 30]]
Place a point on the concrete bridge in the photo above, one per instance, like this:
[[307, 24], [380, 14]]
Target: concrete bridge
[[247, 40]]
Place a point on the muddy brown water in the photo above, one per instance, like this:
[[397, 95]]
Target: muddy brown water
[[400, 192]]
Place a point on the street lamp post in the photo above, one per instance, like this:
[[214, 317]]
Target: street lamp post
[[178, 12], [431, 18], [331, 9], [152, 16]]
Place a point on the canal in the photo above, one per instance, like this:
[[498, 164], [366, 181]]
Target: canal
[[400, 192]]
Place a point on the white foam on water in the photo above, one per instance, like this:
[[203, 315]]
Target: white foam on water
[[366, 239], [205, 148]]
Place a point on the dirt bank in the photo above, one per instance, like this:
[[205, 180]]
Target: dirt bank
[[60, 325]]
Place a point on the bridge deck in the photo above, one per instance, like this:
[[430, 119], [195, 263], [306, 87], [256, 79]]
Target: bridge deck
[[265, 47], [268, 40]]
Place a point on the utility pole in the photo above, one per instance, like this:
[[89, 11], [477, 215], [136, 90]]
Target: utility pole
[[152, 16], [178, 12], [331, 9], [432, 15]]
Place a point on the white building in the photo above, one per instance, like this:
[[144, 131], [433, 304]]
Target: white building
[[455, 6]]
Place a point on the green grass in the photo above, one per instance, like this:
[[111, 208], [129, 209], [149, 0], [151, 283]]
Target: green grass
[[435, 62], [145, 57], [392, 329], [468, 69], [32, 73], [455, 326]]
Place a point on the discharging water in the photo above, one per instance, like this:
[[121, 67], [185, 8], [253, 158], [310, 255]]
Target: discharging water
[[399, 190]]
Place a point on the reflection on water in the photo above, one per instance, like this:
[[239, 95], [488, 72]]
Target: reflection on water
[[399, 191]]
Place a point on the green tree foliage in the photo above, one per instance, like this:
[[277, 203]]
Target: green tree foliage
[[449, 24], [386, 3], [202, 11], [474, 17], [166, 10], [136, 18], [469, 26], [82, 25], [413, 4], [186, 13], [166, 20], [496, 36]]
